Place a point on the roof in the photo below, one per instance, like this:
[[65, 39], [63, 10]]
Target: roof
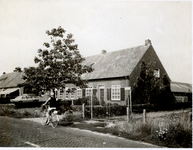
[[181, 87], [114, 64], [11, 79], [8, 91]]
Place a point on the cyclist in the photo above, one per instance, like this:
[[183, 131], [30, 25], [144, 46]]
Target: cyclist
[[52, 104]]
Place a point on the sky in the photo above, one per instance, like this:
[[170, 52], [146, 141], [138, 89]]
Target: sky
[[98, 25]]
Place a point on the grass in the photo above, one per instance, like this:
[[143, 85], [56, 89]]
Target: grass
[[178, 125]]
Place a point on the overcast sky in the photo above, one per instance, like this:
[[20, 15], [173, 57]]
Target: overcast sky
[[98, 25]]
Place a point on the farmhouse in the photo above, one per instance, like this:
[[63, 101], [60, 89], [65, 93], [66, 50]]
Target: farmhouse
[[115, 73]]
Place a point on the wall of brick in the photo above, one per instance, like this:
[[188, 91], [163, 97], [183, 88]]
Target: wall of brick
[[151, 59]]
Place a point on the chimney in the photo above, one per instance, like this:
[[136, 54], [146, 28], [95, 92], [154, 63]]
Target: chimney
[[103, 52], [147, 42]]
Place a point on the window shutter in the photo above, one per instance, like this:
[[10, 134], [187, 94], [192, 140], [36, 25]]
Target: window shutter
[[122, 94], [83, 92], [108, 94], [75, 94]]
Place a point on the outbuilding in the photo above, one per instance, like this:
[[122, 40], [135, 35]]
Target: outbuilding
[[10, 86]]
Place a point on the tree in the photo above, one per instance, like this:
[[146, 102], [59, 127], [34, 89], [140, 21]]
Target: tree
[[165, 98], [17, 69], [58, 64], [152, 90], [147, 86]]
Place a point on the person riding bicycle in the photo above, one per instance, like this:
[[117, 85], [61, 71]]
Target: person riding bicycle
[[52, 104]]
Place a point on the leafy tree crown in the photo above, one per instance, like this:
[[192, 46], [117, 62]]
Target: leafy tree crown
[[60, 62]]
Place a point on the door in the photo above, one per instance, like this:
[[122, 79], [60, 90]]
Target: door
[[101, 89]]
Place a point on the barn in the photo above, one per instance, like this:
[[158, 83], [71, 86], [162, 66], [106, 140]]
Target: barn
[[9, 86]]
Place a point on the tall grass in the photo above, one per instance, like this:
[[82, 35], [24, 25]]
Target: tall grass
[[173, 130], [10, 111]]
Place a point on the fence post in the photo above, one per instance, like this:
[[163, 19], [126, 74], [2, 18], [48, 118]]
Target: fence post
[[128, 115], [130, 102], [91, 111], [189, 118], [144, 116], [83, 110]]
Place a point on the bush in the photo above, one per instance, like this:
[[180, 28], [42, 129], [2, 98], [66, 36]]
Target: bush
[[86, 101], [138, 108], [10, 111], [64, 105], [81, 101], [144, 129], [108, 110], [177, 135]]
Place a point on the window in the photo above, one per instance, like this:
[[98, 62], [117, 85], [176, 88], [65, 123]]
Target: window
[[157, 73], [67, 94], [79, 93], [72, 95], [89, 91], [115, 92], [61, 94]]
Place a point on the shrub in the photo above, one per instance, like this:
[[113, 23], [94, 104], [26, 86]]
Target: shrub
[[108, 110], [6, 110], [144, 129], [80, 101], [68, 117], [178, 135], [86, 101], [63, 106]]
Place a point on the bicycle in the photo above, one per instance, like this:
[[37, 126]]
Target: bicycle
[[54, 119]]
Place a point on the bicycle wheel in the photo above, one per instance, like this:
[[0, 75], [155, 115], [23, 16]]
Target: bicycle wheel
[[44, 118], [54, 120]]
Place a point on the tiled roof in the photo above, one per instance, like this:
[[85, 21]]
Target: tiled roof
[[109, 65], [114, 64], [11, 79], [181, 87]]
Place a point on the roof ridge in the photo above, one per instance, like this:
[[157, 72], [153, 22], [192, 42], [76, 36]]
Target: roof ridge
[[181, 82], [115, 51], [109, 64]]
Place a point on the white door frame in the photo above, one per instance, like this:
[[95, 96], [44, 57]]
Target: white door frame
[[101, 86]]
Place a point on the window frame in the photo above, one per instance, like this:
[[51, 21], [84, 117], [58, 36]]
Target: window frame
[[61, 94], [116, 92], [70, 94], [156, 72], [79, 93], [67, 94], [89, 91]]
